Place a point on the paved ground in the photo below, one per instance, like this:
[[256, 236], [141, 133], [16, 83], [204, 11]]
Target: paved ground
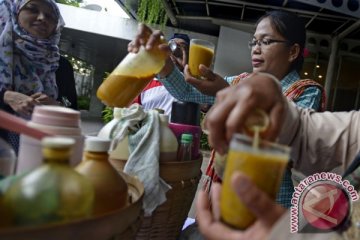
[[206, 155], [91, 125]]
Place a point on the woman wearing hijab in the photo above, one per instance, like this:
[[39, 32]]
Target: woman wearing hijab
[[29, 56]]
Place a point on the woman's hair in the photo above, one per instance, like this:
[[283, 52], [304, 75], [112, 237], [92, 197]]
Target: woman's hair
[[290, 26]]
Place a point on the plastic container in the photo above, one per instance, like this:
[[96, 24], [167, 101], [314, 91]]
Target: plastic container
[[185, 113], [7, 160], [168, 141], [119, 224], [168, 144], [184, 153], [107, 131], [53, 192], [185, 118], [130, 77], [55, 120], [110, 188]]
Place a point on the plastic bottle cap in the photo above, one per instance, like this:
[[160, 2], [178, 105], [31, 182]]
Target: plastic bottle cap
[[117, 112], [96, 144], [57, 142], [186, 137]]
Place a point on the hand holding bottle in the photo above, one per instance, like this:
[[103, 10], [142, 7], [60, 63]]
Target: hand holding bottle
[[150, 39], [135, 71]]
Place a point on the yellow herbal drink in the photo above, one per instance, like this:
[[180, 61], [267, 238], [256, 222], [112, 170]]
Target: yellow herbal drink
[[201, 52], [120, 91], [130, 77], [264, 165]]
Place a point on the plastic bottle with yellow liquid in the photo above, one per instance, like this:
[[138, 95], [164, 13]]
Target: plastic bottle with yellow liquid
[[111, 190], [131, 76], [52, 192]]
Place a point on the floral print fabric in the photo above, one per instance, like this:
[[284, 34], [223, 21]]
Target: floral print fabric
[[27, 64]]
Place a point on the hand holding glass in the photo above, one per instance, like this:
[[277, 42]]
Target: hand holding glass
[[264, 165], [201, 52]]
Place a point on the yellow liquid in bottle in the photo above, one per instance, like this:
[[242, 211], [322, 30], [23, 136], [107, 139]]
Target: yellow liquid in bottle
[[120, 91], [52, 192]]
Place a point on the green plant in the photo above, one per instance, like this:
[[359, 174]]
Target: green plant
[[75, 3], [83, 102], [152, 12], [204, 143], [107, 113], [79, 66]]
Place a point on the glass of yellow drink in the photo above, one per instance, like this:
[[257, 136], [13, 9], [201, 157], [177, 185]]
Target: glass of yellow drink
[[263, 163], [201, 52]]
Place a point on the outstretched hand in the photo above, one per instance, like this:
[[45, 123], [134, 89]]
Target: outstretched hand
[[209, 84], [265, 209]]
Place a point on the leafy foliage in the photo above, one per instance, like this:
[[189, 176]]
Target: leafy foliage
[[152, 12], [107, 113], [204, 143], [83, 102], [75, 3]]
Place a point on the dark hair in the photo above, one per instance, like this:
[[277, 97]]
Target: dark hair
[[290, 26]]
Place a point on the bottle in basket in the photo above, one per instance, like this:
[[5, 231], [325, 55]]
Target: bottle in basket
[[111, 191], [184, 153], [52, 192], [168, 141]]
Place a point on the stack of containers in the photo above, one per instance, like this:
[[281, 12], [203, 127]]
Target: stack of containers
[[54, 120], [185, 118]]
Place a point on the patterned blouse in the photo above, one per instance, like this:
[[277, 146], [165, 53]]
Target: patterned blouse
[[305, 93], [310, 97]]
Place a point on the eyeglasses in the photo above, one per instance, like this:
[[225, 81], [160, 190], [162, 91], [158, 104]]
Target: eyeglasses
[[264, 42]]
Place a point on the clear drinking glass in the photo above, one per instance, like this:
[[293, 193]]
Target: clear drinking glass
[[201, 52], [264, 165]]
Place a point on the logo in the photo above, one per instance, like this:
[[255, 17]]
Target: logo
[[321, 203]]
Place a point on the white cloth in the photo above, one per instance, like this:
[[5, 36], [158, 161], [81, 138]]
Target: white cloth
[[155, 95], [143, 131]]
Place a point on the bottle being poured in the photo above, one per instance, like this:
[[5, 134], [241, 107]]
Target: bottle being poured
[[256, 123], [131, 76]]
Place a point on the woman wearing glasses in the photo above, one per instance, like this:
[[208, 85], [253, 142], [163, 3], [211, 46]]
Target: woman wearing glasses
[[277, 48]]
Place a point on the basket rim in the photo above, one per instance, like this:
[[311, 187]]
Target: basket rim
[[56, 225]]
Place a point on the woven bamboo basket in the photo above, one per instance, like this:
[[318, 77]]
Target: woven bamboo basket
[[120, 224], [167, 220], [353, 232]]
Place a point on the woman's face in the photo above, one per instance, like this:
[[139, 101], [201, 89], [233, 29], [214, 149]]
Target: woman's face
[[274, 58], [38, 18]]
